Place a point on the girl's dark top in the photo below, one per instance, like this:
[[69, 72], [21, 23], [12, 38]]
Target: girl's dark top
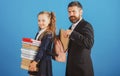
[[43, 56]]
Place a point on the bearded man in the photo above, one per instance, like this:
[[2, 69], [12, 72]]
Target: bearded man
[[81, 40]]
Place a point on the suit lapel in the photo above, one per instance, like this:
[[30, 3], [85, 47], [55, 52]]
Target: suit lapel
[[79, 25]]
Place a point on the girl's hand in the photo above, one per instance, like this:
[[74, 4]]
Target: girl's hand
[[33, 66]]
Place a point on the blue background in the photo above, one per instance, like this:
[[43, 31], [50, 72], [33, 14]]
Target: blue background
[[18, 19]]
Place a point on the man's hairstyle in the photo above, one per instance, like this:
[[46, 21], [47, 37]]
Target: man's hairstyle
[[75, 3]]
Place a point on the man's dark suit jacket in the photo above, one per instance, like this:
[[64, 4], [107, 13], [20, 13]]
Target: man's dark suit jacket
[[79, 61]]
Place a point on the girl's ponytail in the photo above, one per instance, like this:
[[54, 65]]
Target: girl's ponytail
[[53, 23]]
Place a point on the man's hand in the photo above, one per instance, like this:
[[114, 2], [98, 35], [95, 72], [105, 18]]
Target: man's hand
[[67, 33]]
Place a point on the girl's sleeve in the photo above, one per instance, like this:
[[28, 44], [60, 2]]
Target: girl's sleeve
[[43, 47]]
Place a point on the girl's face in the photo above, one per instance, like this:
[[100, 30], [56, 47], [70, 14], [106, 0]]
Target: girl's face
[[43, 21]]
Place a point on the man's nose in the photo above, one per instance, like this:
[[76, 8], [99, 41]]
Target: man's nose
[[71, 14]]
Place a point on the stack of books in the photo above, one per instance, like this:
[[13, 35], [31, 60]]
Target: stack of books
[[28, 51]]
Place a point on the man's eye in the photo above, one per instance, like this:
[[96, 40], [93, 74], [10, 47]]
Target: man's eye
[[38, 20]]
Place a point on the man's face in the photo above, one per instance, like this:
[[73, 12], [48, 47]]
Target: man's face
[[75, 13]]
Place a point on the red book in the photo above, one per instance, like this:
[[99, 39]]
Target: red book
[[27, 40]]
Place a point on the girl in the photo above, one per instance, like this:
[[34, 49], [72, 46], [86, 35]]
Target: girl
[[42, 62]]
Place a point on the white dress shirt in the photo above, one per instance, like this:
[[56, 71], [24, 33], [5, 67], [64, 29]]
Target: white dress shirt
[[75, 24]]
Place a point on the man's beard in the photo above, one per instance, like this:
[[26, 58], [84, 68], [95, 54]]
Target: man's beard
[[74, 19]]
